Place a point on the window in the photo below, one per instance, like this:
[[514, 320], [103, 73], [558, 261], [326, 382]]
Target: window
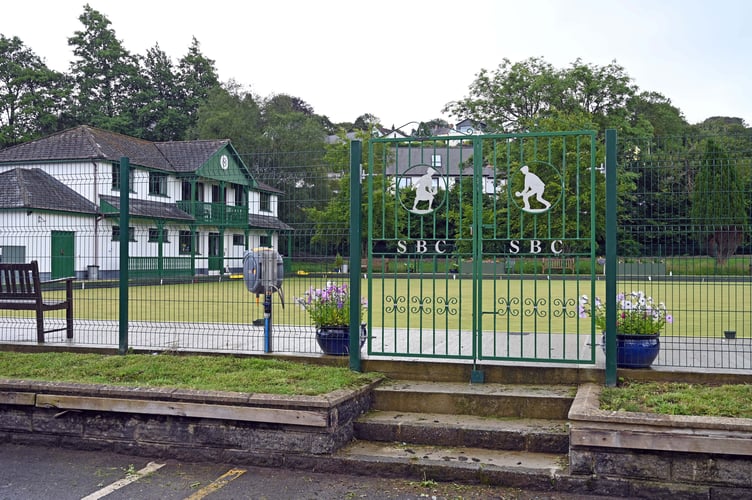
[[116, 233], [238, 240], [154, 235], [239, 195], [116, 178], [186, 191], [435, 160], [265, 241], [158, 183], [184, 242], [265, 202], [404, 182]]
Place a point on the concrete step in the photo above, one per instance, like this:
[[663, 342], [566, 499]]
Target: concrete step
[[536, 471], [486, 400], [532, 435]]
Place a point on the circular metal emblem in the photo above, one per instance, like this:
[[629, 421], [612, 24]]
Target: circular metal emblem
[[536, 187], [422, 189]]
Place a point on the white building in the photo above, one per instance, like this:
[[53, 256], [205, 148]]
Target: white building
[[194, 206]]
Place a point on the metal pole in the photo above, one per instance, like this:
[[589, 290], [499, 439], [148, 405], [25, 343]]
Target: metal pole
[[477, 228], [267, 320], [355, 156], [610, 257], [124, 240]]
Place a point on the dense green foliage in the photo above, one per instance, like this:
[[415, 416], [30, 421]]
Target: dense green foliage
[[718, 209]]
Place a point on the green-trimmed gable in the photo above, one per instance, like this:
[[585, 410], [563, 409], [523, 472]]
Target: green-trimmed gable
[[225, 165]]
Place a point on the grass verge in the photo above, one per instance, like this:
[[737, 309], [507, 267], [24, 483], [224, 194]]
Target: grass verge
[[219, 373], [734, 400]]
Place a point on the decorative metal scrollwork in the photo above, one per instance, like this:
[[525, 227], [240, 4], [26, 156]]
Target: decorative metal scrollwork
[[538, 308], [506, 308], [422, 306], [565, 308], [396, 302], [446, 305]]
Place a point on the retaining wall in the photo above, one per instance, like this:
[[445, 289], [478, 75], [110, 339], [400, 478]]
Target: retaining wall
[[182, 424], [704, 457]]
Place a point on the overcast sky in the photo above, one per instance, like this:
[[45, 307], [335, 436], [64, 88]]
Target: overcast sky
[[402, 61]]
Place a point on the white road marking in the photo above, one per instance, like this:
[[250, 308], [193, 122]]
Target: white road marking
[[150, 467]]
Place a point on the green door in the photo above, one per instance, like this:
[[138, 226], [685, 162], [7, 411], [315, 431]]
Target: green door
[[215, 252], [62, 258]]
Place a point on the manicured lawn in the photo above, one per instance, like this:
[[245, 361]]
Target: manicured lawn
[[700, 307]]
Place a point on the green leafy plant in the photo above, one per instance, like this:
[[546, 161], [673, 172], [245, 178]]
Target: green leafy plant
[[329, 306], [636, 313]]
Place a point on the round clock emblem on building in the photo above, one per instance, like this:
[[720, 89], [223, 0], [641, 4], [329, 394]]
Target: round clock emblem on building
[[224, 162]]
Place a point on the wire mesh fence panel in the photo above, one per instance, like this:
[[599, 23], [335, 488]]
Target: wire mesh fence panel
[[684, 241], [194, 208]]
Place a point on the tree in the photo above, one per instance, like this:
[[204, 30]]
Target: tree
[[105, 74], [32, 97], [198, 77], [511, 97], [160, 115], [366, 122], [718, 207], [230, 112], [515, 96], [664, 119]]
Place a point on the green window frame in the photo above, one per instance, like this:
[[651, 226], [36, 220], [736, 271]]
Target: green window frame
[[116, 233]]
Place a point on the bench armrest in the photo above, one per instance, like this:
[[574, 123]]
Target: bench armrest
[[58, 280]]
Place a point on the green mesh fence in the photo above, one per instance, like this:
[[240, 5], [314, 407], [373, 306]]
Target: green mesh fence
[[188, 231], [684, 240]]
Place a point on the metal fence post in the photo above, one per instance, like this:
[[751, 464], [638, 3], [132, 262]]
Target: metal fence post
[[124, 240], [355, 156], [610, 257]]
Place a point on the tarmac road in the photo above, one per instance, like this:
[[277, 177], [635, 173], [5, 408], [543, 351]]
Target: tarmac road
[[33, 472]]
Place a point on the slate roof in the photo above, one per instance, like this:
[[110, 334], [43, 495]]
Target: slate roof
[[150, 209], [267, 222], [261, 186], [187, 156], [408, 157], [34, 188], [90, 143]]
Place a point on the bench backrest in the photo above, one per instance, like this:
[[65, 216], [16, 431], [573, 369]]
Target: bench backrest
[[20, 281]]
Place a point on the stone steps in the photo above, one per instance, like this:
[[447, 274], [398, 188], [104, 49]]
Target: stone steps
[[535, 471], [456, 431], [486, 400], [533, 435]]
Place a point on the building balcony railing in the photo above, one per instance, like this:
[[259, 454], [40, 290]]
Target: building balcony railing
[[216, 213]]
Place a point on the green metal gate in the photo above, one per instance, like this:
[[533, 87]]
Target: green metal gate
[[480, 247]]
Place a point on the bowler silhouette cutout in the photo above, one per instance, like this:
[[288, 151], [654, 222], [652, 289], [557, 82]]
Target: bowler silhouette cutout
[[425, 191], [534, 186]]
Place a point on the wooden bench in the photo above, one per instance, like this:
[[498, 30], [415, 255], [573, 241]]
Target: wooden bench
[[558, 264], [379, 264], [21, 290]]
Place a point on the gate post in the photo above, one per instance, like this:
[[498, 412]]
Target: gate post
[[610, 298], [124, 242], [355, 156]]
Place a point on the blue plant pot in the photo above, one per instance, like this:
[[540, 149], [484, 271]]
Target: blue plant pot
[[635, 351], [335, 340]]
